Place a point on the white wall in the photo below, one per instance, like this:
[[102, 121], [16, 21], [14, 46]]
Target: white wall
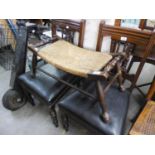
[[91, 33]]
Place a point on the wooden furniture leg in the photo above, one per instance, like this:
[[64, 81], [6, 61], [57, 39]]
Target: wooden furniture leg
[[151, 91], [140, 67], [54, 116], [65, 121], [120, 77], [101, 96], [130, 65]]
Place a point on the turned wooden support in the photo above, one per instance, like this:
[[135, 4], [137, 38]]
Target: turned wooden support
[[54, 115], [101, 96], [120, 77]]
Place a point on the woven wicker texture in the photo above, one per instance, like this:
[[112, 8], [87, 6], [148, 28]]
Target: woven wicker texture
[[9, 35], [145, 124], [73, 59]]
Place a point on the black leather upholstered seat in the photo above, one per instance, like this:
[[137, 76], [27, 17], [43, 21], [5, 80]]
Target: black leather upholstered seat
[[87, 111], [42, 85]]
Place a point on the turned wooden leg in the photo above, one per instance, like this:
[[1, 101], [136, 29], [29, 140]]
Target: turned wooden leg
[[65, 121], [54, 116], [138, 72], [101, 96], [120, 78]]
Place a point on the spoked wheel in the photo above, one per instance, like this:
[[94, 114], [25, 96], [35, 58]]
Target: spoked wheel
[[12, 100]]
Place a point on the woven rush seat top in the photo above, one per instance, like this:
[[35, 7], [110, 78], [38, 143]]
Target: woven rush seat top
[[73, 59]]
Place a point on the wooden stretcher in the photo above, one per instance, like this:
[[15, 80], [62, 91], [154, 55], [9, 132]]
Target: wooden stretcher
[[83, 63]]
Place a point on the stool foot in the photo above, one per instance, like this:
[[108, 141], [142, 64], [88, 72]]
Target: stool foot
[[54, 117], [65, 122]]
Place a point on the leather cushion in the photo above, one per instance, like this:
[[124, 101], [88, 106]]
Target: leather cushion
[[42, 85], [89, 111]]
